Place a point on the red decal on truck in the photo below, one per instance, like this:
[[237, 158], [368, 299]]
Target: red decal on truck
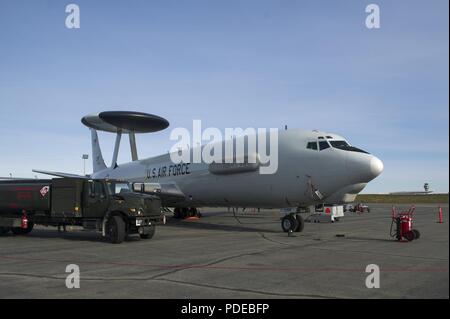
[[44, 190]]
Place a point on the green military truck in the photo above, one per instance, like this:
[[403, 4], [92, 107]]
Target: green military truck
[[108, 206]]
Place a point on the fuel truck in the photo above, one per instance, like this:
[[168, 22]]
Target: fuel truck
[[107, 206]]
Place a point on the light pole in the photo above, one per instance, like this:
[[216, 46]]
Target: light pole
[[84, 157]]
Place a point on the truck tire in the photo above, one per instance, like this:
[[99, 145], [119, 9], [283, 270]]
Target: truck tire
[[4, 230], [20, 231], [150, 234], [416, 234], [289, 223], [116, 229], [300, 224]]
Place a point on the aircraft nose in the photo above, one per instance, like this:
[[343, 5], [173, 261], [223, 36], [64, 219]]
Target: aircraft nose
[[376, 166], [362, 168]]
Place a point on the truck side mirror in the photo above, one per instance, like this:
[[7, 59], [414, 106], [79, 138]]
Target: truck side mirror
[[91, 189]]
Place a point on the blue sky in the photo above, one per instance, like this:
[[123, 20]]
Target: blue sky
[[306, 64]]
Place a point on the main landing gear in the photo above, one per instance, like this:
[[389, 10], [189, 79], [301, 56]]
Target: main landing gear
[[185, 212], [292, 223]]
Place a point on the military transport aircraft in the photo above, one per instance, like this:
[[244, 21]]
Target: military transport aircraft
[[313, 167]]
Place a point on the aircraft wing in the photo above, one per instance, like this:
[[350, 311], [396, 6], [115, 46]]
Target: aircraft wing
[[60, 174]]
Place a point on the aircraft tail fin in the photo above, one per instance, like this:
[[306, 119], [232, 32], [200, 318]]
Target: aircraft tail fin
[[98, 163]]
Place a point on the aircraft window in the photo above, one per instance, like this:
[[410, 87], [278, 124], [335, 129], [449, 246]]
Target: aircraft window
[[330, 137], [323, 145], [320, 137], [312, 146], [343, 145]]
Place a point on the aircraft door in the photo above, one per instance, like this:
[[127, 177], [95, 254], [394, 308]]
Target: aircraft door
[[310, 158]]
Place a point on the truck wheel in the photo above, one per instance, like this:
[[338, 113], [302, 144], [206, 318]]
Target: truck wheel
[[289, 223], [21, 231], [4, 230], [300, 222], [416, 234], [116, 229], [150, 234]]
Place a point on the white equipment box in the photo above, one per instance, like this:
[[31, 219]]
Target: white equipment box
[[329, 214]]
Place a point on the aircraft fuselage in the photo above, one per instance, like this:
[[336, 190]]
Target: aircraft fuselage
[[337, 174]]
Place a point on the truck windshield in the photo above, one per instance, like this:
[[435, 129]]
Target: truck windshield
[[119, 187]]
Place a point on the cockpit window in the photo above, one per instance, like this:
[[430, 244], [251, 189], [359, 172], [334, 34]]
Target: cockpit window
[[340, 144], [312, 146], [343, 145], [323, 145]]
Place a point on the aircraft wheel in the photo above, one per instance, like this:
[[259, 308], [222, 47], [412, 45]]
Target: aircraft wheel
[[289, 223], [184, 213], [116, 230], [4, 230], [300, 222], [151, 232], [191, 212], [21, 231]]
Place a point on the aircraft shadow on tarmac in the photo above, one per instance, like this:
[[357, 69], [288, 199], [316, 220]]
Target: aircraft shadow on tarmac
[[370, 239], [247, 227], [78, 235]]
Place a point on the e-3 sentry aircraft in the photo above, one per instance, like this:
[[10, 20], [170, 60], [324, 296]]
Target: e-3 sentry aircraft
[[313, 167]]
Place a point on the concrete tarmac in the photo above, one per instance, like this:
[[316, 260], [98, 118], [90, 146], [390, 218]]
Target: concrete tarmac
[[243, 256]]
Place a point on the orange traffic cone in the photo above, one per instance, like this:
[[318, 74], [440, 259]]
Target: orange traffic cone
[[441, 218]]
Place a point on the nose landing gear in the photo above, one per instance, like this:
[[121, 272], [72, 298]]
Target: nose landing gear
[[292, 223]]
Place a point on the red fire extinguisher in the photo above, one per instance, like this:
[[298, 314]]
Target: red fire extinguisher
[[24, 223], [404, 225]]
